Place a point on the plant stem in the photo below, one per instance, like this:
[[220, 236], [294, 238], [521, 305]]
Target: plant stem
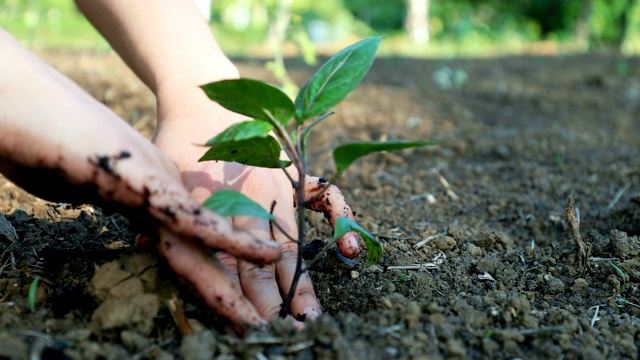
[[299, 187], [302, 142], [275, 223], [284, 137], [301, 165]]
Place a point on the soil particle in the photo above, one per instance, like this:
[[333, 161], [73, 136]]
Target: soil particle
[[13, 346], [199, 346], [134, 341], [7, 232], [552, 285], [624, 246], [122, 288], [443, 243], [496, 241], [136, 312]]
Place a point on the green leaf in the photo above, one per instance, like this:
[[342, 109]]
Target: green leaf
[[33, 292], [335, 79], [242, 131], [345, 155], [232, 203], [252, 98], [374, 248], [261, 152]]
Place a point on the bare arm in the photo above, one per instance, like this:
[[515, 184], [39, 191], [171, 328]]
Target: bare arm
[[161, 40]]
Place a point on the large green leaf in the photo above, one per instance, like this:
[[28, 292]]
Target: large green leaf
[[345, 155], [261, 152], [232, 203], [252, 98], [335, 79], [242, 131], [374, 249]]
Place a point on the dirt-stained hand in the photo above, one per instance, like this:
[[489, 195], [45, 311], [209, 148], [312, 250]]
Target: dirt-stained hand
[[188, 118], [59, 143]]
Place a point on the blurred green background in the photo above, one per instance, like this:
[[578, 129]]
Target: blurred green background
[[444, 28]]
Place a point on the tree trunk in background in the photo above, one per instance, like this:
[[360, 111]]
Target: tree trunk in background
[[630, 44], [417, 21], [583, 30]]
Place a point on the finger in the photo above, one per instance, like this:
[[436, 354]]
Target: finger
[[230, 265], [190, 261], [333, 205], [305, 304], [259, 281], [169, 202]]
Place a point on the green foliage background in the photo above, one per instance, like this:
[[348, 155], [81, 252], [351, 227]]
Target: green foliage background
[[468, 24]]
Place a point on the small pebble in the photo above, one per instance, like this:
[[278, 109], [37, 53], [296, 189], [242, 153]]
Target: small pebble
[[443, 243]]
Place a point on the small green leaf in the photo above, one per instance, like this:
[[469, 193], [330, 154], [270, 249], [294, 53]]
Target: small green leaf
[[335, 79], [252, 98], [261, 152], [33, 292], [345, 155], [232, 203], [242, 131], [623, 276], [374, 248]]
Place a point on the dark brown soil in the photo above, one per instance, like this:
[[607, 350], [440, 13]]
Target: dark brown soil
[[491, 267]]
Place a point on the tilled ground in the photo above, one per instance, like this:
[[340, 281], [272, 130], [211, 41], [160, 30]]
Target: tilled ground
[[479, 259]]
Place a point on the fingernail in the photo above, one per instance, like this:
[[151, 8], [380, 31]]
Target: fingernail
[[312, 313], [144, 243]]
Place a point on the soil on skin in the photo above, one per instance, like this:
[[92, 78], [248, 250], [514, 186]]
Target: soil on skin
[[491, 267]]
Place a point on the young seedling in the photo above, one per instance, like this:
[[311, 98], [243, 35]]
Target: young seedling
[[33, 292], [273, 112]]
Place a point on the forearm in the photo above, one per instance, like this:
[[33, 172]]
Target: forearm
[[166, 42], [39, 107], [50, 128]]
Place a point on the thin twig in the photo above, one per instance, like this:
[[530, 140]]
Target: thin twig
[[574, 224], [423, 242], [595, 317], [616, 198], [602, 259], [394, 237], [447, 187], [425, 266], [178, 317], [627, 302], [542, 329]]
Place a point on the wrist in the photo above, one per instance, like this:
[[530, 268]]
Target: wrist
[[180, 98], [220, 68], [185, 111]]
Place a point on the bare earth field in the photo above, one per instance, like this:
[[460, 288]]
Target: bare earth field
[[479, 262]]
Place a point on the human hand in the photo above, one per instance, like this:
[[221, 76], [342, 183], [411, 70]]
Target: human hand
[[187, 118], [173, 51], [59, 143]]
